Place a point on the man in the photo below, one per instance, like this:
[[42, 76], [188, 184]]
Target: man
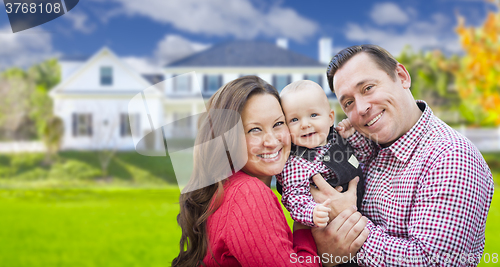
[[428, 189]]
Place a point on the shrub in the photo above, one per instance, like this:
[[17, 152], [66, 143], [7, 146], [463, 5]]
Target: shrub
[[73, 169], [32, 175], [26, 161]]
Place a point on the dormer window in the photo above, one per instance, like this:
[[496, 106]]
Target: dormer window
[[106, 76]]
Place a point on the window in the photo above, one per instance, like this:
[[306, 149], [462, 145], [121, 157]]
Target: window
[[106, 76], [212, 83], [182, 83], [315, 78], [280, 81], [126, 124], [82, 124]]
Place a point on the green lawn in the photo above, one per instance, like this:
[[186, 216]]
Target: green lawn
[[86, 227], [108, 227], [117, 224]]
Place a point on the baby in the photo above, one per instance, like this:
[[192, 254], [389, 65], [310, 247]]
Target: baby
[[317, 148]]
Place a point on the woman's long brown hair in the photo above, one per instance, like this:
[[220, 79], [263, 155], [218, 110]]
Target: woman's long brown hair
[[197, 205]]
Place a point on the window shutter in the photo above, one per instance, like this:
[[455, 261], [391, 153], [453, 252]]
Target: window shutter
[[89, 125], [122, 130], [74, 124]]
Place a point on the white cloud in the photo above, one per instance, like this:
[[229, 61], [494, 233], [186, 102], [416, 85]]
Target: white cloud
[[388, 13], [238, 18], [80, 22], [23, 49], [436, 33], [170, 48], [174, 47]]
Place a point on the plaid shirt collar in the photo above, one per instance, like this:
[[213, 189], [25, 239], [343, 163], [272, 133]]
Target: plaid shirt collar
[[403, 147]]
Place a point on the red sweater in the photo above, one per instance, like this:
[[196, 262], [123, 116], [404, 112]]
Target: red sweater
[[250, 229]]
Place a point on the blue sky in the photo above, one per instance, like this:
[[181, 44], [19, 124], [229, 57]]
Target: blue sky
[[150, 33]]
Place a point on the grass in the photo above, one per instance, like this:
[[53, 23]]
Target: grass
[[492, 245], [115, 225], [83, 169], [88, 227], [109, 227]]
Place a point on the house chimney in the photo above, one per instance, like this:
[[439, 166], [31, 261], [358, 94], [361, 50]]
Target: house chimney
[[325, 50], [282, 42]]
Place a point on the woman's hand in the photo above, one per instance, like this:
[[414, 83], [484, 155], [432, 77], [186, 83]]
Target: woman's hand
[[339, 201], [342, 237]]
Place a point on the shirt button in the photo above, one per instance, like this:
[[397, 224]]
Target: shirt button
[[326, 158], [364, 202], [379, 170]]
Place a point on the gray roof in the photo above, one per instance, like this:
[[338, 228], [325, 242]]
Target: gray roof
[[153, 78], [246, 54]]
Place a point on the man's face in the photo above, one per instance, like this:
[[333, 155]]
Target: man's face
[[375, 103]]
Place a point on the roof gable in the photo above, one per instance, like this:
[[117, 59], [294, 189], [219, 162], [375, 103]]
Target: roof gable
[[86, 79], [246, 54]]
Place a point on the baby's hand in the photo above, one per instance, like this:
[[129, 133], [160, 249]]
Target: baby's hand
[[345, 128], [320, 214]]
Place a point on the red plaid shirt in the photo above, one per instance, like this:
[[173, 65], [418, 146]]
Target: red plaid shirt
[[295, 179], [427, 197]]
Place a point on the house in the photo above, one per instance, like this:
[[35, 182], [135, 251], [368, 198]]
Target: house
[[93, 101], [98, 97]]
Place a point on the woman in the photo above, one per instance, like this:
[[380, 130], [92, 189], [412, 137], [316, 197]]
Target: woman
[[239, 221]]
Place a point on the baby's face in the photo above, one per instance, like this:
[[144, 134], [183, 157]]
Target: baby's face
[[308, 116]]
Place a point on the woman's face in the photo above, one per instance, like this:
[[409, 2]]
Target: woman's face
[[267, 136]]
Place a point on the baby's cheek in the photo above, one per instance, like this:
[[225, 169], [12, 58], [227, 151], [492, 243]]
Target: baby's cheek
[[293, 134]]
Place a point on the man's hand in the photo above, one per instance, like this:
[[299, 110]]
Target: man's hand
[[345, 128], [320, 214], [343, 237], [339, 201]]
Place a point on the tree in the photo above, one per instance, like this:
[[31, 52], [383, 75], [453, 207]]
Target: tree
[[45, 76], [52, 133], [15, 91], [432, 77], [104, 138], [477, 78], [25, 106]]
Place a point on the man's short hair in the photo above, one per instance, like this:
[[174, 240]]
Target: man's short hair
[[382, 58]]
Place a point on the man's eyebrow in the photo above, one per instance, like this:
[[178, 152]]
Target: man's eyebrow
[[360, 83]]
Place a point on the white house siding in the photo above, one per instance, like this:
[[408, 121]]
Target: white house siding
[[68, 68], [81, 92], [105, 122], [176, 115], [89, 78]]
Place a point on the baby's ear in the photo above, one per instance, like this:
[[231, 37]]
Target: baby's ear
[[332, 117]]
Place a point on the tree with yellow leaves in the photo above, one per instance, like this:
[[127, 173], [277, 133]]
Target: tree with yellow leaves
[[478, 77]]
